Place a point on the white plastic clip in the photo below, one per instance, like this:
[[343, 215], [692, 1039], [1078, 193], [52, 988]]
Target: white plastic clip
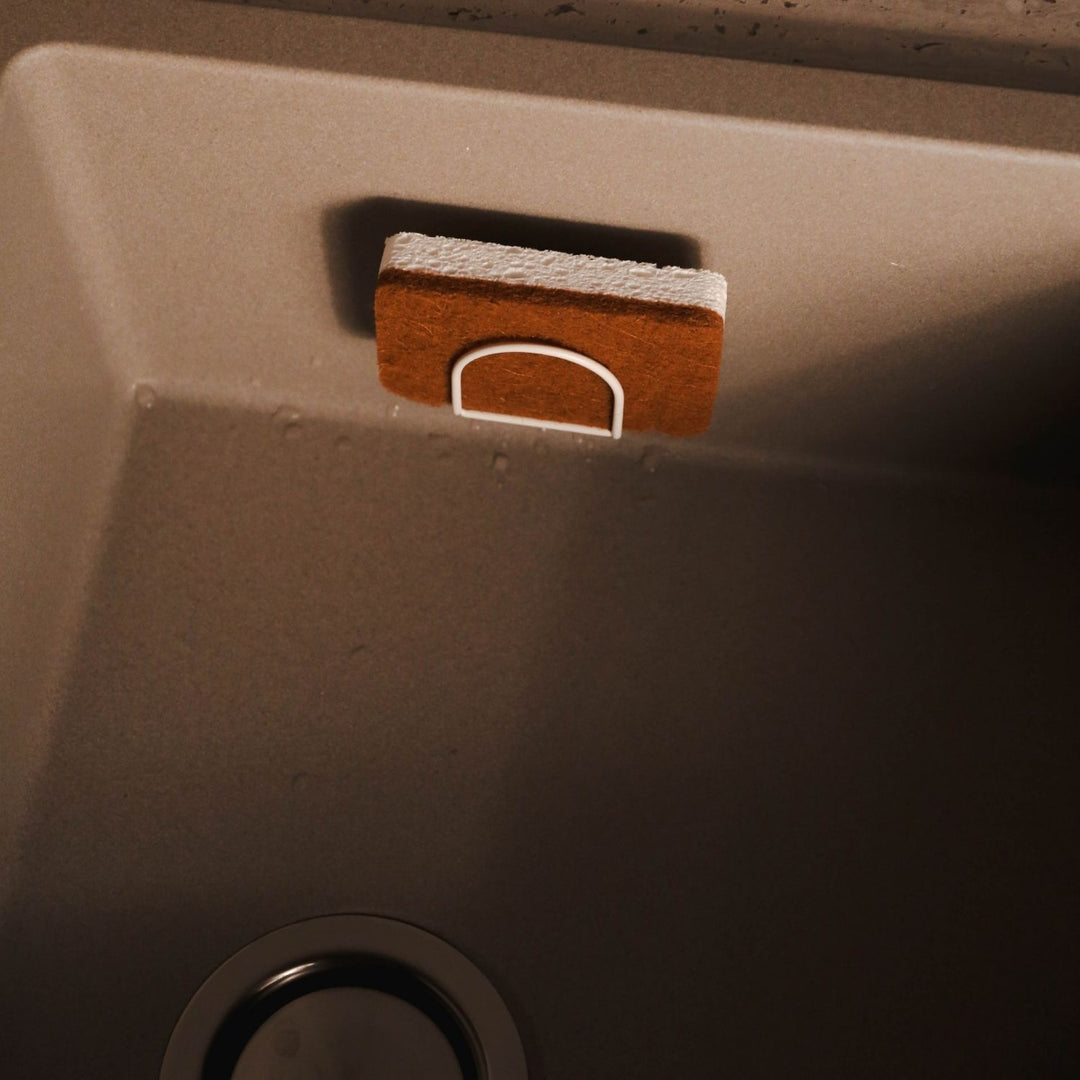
[[618, 398]]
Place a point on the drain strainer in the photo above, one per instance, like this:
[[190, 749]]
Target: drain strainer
[[354, 996]]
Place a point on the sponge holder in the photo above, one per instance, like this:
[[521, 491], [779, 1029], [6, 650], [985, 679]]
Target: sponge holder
[[617, 395]]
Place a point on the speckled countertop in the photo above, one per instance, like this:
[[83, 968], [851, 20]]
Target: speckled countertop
[[1033, 44], [1028, 44]]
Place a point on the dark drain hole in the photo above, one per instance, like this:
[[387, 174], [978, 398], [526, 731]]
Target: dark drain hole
[[333, 973]]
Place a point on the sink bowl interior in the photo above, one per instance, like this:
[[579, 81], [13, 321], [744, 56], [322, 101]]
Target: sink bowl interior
[[751, 754]]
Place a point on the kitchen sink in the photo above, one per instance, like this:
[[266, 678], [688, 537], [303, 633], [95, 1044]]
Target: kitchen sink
[[748, 755]]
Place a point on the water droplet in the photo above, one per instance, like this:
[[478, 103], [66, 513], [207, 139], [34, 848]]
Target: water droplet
[[145, 396], [287, 419], [651, 459], [500, 463], [343, 443], [395, 410], [287, 414]]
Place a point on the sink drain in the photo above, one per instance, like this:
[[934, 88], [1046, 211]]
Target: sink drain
[[346, 996]]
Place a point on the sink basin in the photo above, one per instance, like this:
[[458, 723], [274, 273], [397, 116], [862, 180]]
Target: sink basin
[[748, 755]]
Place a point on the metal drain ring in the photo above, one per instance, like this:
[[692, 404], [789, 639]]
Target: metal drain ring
[[355, 951], [331, 973]]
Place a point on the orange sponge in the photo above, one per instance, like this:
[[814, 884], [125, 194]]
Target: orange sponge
[[657, 330]]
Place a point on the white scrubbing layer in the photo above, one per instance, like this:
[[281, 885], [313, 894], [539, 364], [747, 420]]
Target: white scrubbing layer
[[554, 270]]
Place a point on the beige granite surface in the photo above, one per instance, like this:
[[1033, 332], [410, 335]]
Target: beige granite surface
[[1033, 44], [1022, 43], [649, 78], [353, 665]]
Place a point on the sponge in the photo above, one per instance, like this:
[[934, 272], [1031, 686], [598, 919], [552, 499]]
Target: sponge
[[658, 330]]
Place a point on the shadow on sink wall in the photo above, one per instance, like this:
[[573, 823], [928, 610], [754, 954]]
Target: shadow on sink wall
[[704, 769], [837, 855], [996, 390], [354, 234]]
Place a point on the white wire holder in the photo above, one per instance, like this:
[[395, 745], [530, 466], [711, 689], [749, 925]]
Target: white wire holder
[[617, 395]]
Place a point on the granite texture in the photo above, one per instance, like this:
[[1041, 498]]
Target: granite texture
[[654, 78], [797, 741], [1033, 44]]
